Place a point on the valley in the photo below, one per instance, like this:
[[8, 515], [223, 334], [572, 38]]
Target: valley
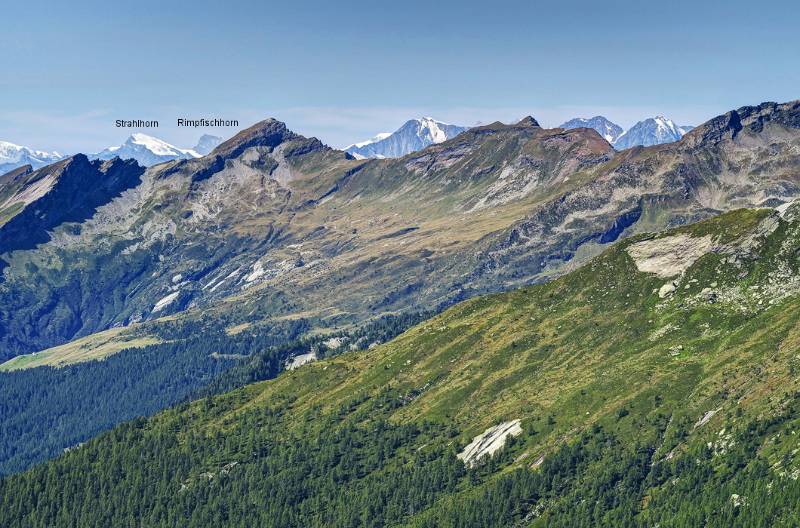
[[624, 395], [399, 265], [274, 239]]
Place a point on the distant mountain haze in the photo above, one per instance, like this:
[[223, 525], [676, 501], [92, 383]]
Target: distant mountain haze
[[610, 131], [414, 135], [652, 131], [206, 144], [13, 156]]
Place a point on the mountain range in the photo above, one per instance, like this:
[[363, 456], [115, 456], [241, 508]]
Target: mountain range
[[610, 131], [148, 150], [414, 135], [651, 131], [13, 156], [604, 370], [273, 209]]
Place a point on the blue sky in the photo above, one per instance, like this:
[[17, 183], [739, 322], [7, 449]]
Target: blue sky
[[344, 71]]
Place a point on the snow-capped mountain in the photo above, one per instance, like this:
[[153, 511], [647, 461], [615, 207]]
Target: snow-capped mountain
[[652, 131], [13, 156], [206, 144], [609, 130], [415, 134], [146, 150]]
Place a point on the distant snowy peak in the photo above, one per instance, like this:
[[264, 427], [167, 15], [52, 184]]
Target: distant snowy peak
[[206, 144], [13, 156], [370, 141], [652, 131], [609, 130], [414, 135], [146, 150]]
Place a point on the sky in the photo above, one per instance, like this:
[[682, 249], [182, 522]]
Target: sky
[[344, 71]]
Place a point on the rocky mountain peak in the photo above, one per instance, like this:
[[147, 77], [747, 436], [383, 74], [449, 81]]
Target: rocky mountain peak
[[609, 130], [207, 143], [414, 135], [651, 131], [528, 121], [16, 174], [754, 118], [268, 133]]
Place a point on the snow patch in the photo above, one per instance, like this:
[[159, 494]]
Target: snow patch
[[370, 141]]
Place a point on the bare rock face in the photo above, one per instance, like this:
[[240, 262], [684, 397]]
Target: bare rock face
[[489, 442], [748, 118], [67, 191], [669, 256]]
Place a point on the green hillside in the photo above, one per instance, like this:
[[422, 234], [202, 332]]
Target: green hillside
[[655, 386]]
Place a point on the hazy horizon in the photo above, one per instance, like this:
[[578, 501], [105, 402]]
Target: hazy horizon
[[347, 71]]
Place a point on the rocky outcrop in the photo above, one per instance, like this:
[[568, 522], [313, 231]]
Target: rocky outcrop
[[489, 442], [751, 118], [669, 256]]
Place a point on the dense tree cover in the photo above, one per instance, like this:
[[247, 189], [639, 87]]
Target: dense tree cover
[[601, 481], [353, 468], [45, 410], [343, 469]]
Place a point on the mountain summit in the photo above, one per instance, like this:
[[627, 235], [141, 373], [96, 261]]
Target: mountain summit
[[652, 131], [414, 135], [147, 150], [13, 156], [206, 144], [609, 130]]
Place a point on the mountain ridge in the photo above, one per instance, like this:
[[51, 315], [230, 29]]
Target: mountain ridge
[[606, 128], [540, 180]]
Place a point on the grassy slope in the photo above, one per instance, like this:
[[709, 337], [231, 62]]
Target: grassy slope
[[89, 348], [594, 361]]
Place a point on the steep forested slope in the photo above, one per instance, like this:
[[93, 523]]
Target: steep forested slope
[[657, 385]]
